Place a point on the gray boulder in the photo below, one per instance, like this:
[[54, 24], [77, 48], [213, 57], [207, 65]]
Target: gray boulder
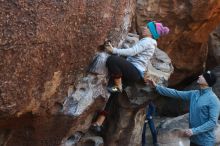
[[170, 132]]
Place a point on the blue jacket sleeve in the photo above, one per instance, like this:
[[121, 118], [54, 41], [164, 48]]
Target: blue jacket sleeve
[[185, 95], [214, 109]]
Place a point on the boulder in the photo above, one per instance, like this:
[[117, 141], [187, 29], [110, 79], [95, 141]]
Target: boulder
[[86, 91], [45, 47], [170, 132], [80, 139]]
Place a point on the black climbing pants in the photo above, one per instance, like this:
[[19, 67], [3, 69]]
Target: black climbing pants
[[110, 102], [119, 67]]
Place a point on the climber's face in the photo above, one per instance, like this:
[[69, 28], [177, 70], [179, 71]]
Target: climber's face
[[145, 32]]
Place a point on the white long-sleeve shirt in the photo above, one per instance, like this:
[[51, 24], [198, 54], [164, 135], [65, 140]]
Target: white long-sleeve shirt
[[139, 54]]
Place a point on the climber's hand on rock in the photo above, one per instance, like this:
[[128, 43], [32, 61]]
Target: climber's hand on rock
[[150, 82], [188, 132], [108, 47]]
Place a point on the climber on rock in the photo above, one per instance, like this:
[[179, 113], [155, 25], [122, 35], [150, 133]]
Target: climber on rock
[[204, 108], [131, 69], [124, 72]]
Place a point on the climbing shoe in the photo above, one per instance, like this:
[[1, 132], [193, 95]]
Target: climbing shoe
[[96, 128], [114, 89]]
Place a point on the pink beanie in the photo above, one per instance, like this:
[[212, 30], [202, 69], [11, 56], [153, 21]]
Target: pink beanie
[[161, 30]]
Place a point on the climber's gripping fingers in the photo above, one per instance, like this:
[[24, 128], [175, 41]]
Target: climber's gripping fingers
[[108, 47], [150, 82]]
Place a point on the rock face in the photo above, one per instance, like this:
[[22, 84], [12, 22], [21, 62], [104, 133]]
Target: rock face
[[46, 45], [87, 90], [44, 130], [190, 23], [81, 139], [214, 48]]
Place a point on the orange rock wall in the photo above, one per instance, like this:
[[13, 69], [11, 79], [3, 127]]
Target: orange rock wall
[[45, 45]]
